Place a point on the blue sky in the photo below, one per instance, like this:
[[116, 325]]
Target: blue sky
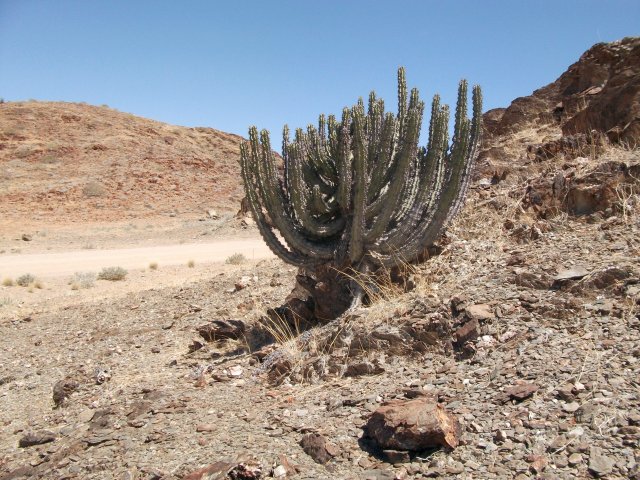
[[231, 64]]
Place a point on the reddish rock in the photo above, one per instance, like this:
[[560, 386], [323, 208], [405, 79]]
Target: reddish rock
[[467, 332], [318, 448], [480, 311], [413, 425], [520, 392]]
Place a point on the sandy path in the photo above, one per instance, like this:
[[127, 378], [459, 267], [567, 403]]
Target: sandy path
[[66, 263]]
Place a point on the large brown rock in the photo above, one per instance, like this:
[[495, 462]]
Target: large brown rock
[[413, 425]]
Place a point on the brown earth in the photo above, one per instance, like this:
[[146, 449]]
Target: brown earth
[[76, 164], [524, 327]]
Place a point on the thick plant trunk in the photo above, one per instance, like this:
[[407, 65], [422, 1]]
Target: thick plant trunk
[[321, 294]]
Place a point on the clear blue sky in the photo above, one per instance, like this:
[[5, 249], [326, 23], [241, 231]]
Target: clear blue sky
[[230, 64]]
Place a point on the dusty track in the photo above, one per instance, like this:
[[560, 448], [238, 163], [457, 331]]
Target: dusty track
[[66, 263]]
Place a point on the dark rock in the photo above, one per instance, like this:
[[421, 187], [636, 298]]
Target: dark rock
[[318, 448], [36, 438], [395, 457], [413, 425], [26, 237], [607, 278], [62, 390], [365, 367], [222, 330], [467, 332]]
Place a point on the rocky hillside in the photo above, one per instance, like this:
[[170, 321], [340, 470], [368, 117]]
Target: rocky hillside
[[596, 100], [76, 163]]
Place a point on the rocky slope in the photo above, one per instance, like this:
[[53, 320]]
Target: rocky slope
[[74, 163], [597, 99]]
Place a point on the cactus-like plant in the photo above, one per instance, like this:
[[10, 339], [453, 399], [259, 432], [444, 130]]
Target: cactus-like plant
[[360, 191]]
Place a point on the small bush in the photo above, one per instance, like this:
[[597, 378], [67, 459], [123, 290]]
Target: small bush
[[113, 274], [24, 151], [93, 189], [37, 284], [191, 264], [7, 282], [153, 266], [25, 280], [82, 280], [49, 159], [236, 259]]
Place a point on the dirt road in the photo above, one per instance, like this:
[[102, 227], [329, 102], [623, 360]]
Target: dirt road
[[66, 263]]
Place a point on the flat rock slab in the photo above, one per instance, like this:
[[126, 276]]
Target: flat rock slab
[[413, 425], [574, 273]]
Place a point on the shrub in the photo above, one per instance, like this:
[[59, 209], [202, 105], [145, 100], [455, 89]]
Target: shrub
[[93, 189], [191, 264], [7, 282], [236, 259], [153, 266], [113, 274], [82, 280], [25, 280]]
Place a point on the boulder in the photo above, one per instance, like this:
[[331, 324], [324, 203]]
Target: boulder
[[413, 425]]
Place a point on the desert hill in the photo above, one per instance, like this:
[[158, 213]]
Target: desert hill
[[75, 163]]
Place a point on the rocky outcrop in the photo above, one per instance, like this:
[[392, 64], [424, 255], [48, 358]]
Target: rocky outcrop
[[596, 101], [601, 92]]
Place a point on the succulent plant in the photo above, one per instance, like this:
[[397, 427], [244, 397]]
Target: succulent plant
[[359, 190]]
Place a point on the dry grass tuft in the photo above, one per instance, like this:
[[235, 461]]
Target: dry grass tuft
[[153, 266], [82, 280], [113, 274], [236, 259], [25, 280], [7, 282], [191, 264]]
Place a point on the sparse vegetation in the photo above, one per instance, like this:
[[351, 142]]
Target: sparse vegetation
[[93, 189], [153, 266], [236, 259], [113, 274], [25, 280], [82, 280], [191, 264], [49, 159], [5, 301], [24, 151], [7, 282]]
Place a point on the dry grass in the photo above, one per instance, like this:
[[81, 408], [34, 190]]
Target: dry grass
[[113, 274], [236, 259], [191, 264], [153, 266], [8, 282], [25, 280], [82, 280]]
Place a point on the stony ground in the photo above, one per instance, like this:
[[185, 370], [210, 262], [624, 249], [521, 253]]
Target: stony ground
[[527, 329]]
